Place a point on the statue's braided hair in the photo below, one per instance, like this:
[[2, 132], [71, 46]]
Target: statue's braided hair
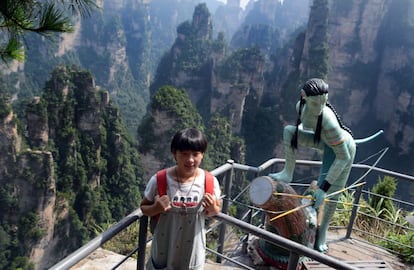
[[341, 124], [315, 87]]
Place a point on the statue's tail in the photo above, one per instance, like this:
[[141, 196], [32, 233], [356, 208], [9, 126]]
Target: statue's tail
[[367, 139]]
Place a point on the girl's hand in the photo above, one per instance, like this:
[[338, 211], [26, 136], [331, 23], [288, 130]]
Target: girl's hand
[[211, 205], [162, 204]]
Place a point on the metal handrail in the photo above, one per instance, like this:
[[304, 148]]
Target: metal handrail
[[295, 248], [226, 170], [95, 243]]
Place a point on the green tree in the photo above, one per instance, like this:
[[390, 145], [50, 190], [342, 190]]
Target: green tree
[[318, 46], [385, 187], [220, 138], [177, 110], [18, 17]]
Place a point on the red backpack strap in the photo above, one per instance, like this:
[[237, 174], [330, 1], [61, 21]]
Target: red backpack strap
[[162, 190], [162, 182], [209, 182]]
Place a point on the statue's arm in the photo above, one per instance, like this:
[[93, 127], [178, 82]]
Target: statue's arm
[[338, 140]]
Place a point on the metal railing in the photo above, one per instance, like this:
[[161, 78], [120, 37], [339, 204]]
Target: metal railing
[[227, 173], [98, 241]]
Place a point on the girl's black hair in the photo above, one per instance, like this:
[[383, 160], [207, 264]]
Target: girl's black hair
[[315, 87], [189, 139]]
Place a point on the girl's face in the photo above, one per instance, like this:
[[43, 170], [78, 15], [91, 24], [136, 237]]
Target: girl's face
[[188, 161], [315, 104]]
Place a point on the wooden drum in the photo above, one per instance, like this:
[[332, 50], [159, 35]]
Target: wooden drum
[[285, 216], [261, 191], [273, 196]]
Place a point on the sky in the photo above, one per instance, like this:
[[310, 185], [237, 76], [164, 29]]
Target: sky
[[243, 3]]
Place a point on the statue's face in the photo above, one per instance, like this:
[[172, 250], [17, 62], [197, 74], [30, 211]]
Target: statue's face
[[315, 104]]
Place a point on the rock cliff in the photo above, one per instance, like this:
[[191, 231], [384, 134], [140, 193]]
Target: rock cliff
[[62, 173], [28, 193], [363, 49], [370, 59]]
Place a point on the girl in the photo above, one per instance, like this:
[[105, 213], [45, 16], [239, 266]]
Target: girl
[[179, 239]]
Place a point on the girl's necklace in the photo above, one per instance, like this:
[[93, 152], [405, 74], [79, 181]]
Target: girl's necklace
[[181, 183], [184, 206]]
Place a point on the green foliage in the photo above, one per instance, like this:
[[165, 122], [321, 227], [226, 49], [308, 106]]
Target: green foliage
[[191, 53], [98, 169], [185, 28], [173, 101], [5, 243], [260, 128], [385, 187], [78, 158], [380, 217], [9, 241], [22, 263], [5, 107], [28, 228], [37, 17], [179, 112], [78, 233], [128, 81], [318, 43], [123, 242], [39, 109], [344, 207], [8, 201], [219, 134], [239, 61], [402, 244], [122, 167], [318, 60], [262, 36]]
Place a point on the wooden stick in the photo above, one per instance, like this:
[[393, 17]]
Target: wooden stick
[[291, 211], [344, 189], [312, 198]]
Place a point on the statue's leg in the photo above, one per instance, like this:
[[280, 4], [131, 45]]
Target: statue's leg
[[322, 231], [330, 207], [304, 138]]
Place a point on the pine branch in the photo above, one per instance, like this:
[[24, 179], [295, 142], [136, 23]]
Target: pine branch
[[53, 20], [41, 17], [12, 51]]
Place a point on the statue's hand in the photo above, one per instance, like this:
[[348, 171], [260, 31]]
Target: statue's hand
[[319, 198], [281, 176]]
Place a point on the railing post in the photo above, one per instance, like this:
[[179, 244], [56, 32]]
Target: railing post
[[293, 260], [224, 209], [249, 220], [354, 212], [142, 242]]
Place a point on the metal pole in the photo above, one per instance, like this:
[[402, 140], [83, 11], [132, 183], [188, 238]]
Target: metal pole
[[293, 261], [354, 212], [294, 247], [249, 220], [95, 243], [142, 242], [224, 209]]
